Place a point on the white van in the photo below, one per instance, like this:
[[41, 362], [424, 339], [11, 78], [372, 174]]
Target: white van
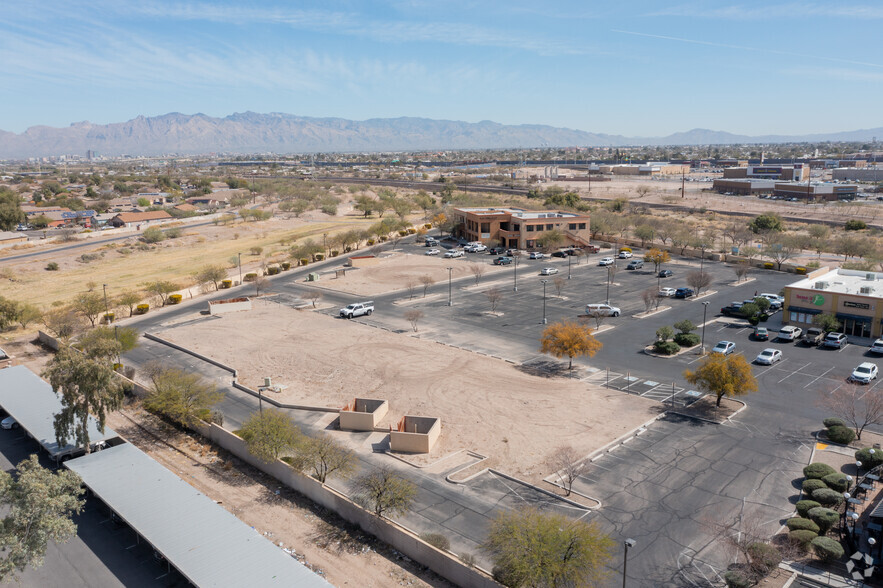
[[602, 309]]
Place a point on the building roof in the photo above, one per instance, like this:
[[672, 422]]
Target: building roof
[[207, 544], [33, 403], [522, 213], [12, 236], [186, 207], [138, 217], [843, 281]]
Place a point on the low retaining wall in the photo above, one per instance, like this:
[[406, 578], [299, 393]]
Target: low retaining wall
[[362, 260], [440, 562], [48, 340], [191, 352], [363, 414], [278, 404], [415, 434], [229, 305]]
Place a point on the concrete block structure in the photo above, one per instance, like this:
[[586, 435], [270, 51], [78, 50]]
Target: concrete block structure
[[519, 228], [229, 305], [415, 434], [363, 414]]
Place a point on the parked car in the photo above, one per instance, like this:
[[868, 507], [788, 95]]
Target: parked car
[[357, 309], [9, 423], [606, 261], [497, 250], [430, 242], [591, 249], [570, 251], [625, 254], [503, 260], [667, 292], [684, 292], [761, 334], [536, 255], [776, 301], [432, 252], [474, 248], [560, 254], [548, 271], [665, 274], [732, 309], [813, 336], [835, 341], [724, 348], [635, 264], [768, 357], [789, 333], [602, 309], [454, 253], [864, 373], [877, 346]]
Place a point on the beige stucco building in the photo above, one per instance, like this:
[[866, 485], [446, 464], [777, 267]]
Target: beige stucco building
[[854, 297], [519, 228]]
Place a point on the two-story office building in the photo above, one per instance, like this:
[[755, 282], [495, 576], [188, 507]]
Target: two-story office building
[[519, 228]]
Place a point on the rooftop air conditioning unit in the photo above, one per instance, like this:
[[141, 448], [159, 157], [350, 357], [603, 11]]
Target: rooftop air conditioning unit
[[821, 285], [870, 276], [865, 290]]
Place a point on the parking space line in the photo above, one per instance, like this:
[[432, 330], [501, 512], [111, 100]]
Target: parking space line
[[818, 377], [772, 366], [795, 372], [842, 348]]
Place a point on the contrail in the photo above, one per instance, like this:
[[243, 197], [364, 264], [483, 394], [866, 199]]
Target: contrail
[[743, 48]]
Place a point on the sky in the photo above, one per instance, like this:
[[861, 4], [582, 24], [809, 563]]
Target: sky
[[635, 68]]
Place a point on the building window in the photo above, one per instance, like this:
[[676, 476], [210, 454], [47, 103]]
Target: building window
[[529, 228], [800, 317], [529, 244], [572, 226], [516, 228], [550, 227], [582, 225], [485, 227]]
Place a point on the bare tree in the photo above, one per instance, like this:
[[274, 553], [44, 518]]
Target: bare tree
[[427, 281], [411, 284], [568, 465], [313, 296], [642, 190], [748, 538], [741, 270], [649, 296], [698, 280], [857, 406], [413, 316], [559, 283], [477, 271], [598, 316], [261, 284], [494, 295]]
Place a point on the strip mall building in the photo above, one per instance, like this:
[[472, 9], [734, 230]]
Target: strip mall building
[[854, 297], [519, 228]]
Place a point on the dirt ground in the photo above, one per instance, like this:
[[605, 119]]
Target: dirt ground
[[485, 405]]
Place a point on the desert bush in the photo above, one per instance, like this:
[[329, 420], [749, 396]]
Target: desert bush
[[811, 485], [286, 265], [800, 270], [437, 540], [804, 506], [273, 270], [304, 261], [666, 347], [174, 233], [768, 265], [226, 284], [836, 482], [250, 277], [335, 253], [842, 435], [89, 257], [827, 549], [371, 242], [687, 339], [175, 299], [152, 235], [468, 559], [52, 266], [256, 250], [802, 524], [142, 308], [827, 497], [764, 557], [855, 225], [802, 538], [869, 460], [818, 471], [825, 518], [833, 422], [319, 257], [427, 226], [738, 579]]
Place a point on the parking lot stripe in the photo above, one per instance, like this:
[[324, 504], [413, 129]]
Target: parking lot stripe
[[773, 366], [818, 377], [795, 372]]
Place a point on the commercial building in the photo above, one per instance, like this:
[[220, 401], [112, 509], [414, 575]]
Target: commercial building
[[130, 219], [816, 191], [793, 172], [852, 163], [519, 228], [743, 187], [852, 174], [649, 169], [854, 297]]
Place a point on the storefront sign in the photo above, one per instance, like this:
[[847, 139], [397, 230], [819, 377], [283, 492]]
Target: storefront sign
[[815, 299], [862, 305]]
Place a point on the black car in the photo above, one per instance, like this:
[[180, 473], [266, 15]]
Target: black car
[[503, 261], [733, 309], [665, 274], [559, 254], [496, 250], [684, 292]]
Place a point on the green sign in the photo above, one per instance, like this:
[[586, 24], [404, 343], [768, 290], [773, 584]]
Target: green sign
[[818, 300]]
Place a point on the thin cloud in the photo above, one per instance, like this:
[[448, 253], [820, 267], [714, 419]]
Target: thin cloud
[[768, 11], [744, 48]]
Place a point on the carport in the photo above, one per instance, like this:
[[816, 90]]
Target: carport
[[33, 403], [205, 543]]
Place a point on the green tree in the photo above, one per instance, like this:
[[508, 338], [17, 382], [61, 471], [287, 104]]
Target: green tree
[[270, 434], [385, 491], [827, 322], [211, 274], [90, 305], [685, 326], [161, 288], [766, 222], [87, 387], [323, 456], [645, 233], [40, 504], [10, 210], [569, 339], [129, 299], [366, 204], [184, 397], [664, 333], [107, 343], [550, 240], [534, 548], [723, 375]]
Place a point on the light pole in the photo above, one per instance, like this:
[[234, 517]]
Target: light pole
[[325, 244], [106, 309], [625, 560], [450, 273], [609, 267], [544, 299], [515, 276], [240, 268], [704, 311], [569, 257]]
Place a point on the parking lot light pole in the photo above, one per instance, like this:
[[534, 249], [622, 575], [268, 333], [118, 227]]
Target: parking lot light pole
[[450, 301], [625, 559], [569, 258], [240, 268], [544, 299], [515, 276], [704, 311], [608, 285]]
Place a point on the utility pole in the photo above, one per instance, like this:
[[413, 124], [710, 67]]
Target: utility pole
[[683, 184]]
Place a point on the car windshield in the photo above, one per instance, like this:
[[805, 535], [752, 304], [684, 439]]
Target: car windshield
[[766, 353], [863, 370]]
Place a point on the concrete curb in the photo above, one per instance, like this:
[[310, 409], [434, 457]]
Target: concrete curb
[[643, 315], [699, 418], [216, 363], [538, 489], [278, 404], [593, 456]]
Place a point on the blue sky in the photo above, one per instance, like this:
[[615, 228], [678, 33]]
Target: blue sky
[[637, 68]]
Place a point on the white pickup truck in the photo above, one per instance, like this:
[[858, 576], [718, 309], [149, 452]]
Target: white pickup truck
[[357, 309]]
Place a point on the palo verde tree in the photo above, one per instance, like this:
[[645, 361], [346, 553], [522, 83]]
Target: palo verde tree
[[87, 387], [534, 548], [90, 305], [270, 434], [657, 257], [385, 492], [39, 505], [184, 397], [723, 375], [322, 456], [569, 339]]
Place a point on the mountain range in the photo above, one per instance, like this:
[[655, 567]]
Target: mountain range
[[251, 132]]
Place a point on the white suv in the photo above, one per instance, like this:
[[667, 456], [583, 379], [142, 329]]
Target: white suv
[[602, 309]]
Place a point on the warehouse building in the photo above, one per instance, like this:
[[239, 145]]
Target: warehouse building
[[519, 228], [795, 172], [852, 174], [743, 187], [816, 191], [854, 297]]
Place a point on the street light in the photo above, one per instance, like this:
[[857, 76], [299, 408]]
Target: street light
[[704, 311], [609, 268], [544, 299], [325, 243], [450, 270], [625, 560], [106, 309], [515, 276], [240, 268], [569, 257]]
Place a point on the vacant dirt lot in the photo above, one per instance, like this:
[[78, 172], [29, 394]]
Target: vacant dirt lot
[[485, 405]]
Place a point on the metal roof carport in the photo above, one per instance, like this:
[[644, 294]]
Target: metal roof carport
[[205, 543], [33, 403]]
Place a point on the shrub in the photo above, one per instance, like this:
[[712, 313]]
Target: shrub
[[825, 518], [152, 235], [427, 226], [801, 524], [175, 298], [174, 233], [437, 540], [842, 435], [384, 238], [826, 548], [738, 579], [868, 459], [836, 482], [666, 347], [403, 233], [108, 317], [827, 497], [412, 231], [768, 265], [142, 308], [804, 506], [303, 261], [764, 557], [855, 225], [335, 253], [250, 277], [818, 471], [286, 265], [273, 270], [687, 339], [468, 559], [51, 267], [319, 256], [256, 250], [371, 242], [811, 485], [226, 284], [800, 270], [833, 422], [802, 538]]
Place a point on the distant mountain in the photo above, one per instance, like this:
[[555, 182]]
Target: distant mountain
[[251, 132]]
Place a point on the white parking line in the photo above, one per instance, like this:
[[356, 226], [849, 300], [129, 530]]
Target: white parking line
[[772, 366], [794, 372], [842, 348], [819, 377]]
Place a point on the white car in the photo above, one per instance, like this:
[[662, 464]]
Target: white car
[[536, 255], [724, 348], [769, 357], [548, 271], [453, 253], [606, 261], [667, 292], [790, 333], [864, 373], [602, 310], [8, 423], [877, 346], [479, 248], [432, 252], [625, 254]]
